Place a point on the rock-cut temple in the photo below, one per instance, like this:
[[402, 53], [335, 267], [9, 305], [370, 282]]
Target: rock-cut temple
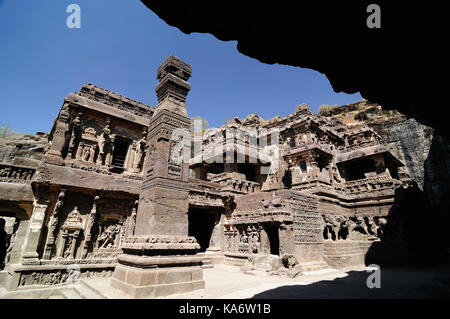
[[111, 197]]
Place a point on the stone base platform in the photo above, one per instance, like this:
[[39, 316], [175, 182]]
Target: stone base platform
[[341, 254], [144, 276], [46, 273]]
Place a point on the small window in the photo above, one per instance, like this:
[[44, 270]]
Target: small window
[[303, 166]]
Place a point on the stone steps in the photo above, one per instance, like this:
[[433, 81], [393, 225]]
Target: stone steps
[[264, 264], [70, 294]]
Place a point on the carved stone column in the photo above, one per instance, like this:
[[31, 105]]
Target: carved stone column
[[286, 236], [59, 137], [131, 220], [89, 225], [62, 243], [73, 243], [215, 243], [53, 226], [160, 259], [128, 164], [30, 250], [264, 241]]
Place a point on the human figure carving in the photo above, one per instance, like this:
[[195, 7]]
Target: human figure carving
[[103, 140], [76, 132], [91, 153], [106, 239], [138, 155], [85, 154]]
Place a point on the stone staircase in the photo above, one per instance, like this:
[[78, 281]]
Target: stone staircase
[[264, 264]]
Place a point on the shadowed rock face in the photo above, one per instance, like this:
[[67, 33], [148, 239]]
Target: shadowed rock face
[[397, 66]]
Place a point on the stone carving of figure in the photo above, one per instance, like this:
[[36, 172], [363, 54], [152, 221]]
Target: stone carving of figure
[[137, 155], [361, 225], [372, 227], [244, 238], [287, 144], [10, 242], [131, 221], [76, 132], [86, 152], [5, 172], [55, 217], [92, 215], [254, 240], [67, 251], [103, 142], [91, 153], [298, 140], [109, 149], [382, 222], [332, 227], [74, 216], [108, 236]]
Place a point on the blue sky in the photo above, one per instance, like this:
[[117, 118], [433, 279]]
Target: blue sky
[[119, 47]]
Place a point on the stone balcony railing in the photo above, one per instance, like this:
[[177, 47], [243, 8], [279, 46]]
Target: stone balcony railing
[[235, 184], [16, 174]]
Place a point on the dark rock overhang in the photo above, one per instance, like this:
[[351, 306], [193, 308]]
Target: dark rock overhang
[[396, 66]]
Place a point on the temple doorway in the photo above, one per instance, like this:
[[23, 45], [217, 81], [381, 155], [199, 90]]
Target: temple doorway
[[120, 151], [274, 239], [200, 225]]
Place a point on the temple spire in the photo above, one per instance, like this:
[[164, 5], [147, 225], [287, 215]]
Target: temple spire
[[173, 87]]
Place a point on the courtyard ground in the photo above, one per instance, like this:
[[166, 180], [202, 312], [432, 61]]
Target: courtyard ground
[[229, 282]]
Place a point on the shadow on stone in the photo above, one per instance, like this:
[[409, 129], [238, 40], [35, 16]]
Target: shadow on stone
[[395, 283]]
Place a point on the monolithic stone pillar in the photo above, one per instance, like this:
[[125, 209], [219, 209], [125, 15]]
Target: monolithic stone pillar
[[59, 137], [160, 259], [264, 241], [61, 243], [53, 226], [73, 243], [216, 241], [286, 236], [88, 228], [30, 252]]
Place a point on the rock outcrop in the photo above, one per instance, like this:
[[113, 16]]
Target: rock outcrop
[[22, 149], [425, 153]]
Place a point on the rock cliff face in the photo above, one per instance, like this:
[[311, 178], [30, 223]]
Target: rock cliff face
[[22, 149], [426, 156], [410, 140], [437, 179]]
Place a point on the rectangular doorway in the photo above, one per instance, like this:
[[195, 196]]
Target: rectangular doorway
[[274, 239]]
